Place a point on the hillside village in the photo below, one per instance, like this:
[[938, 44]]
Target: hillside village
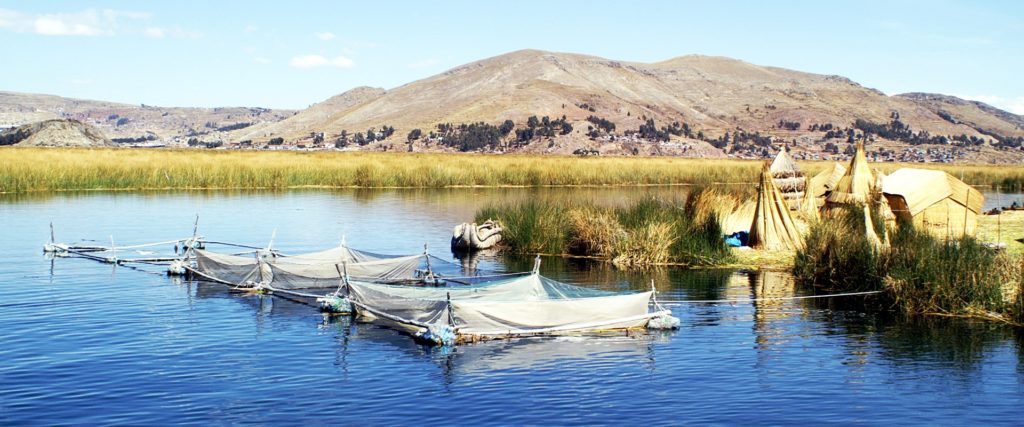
[[540, 102]]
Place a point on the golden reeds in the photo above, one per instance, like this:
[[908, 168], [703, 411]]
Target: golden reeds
[[648, 232], [48, 169]]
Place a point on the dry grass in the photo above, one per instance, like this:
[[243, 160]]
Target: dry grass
[[648, 232], [39, 169], [23, 170], [594, 232], [1005, 228]]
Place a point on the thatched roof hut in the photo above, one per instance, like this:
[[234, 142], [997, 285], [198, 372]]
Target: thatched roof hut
[[773, 227], [808, 208], [855, 186], [789, 179], [826, 180], [934, 200]]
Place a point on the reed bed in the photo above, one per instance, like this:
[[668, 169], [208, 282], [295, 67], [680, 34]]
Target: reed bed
[[919, 273], [648, 232], [838, 256], [50, 169], [27, 169]]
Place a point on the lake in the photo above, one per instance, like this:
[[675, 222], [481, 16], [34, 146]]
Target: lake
[[84, 343]]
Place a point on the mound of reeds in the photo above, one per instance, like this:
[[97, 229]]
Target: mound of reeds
[[648, 232], [837, 255], [919, 272], [926, 274]]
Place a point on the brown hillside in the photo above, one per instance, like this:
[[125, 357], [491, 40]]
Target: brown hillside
[[55, 133], [714, 94], [169, 124]]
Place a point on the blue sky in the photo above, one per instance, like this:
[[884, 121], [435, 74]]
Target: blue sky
[[273, 54]]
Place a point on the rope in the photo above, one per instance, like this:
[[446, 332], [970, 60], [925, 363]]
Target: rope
[[237, 245], [732, 301], [483, 276], [144, 245], [294, 293]]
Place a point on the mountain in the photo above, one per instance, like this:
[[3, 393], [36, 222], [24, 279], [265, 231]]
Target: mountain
[[713, 95], [692, 105], [55, 133], [133, 122]]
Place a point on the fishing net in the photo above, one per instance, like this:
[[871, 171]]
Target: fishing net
[[288, 275], [325, 269], [232, 269], [528, 305]]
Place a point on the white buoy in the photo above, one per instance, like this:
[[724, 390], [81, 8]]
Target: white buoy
[[177, 268]]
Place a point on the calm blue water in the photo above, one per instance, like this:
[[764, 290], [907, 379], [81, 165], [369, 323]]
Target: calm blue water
[[83, 343]]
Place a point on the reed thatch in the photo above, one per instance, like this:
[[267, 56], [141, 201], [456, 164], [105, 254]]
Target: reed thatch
[[808, 208], [788, 178], [856, 185], [934, 201], [773, 227], [826, 180]]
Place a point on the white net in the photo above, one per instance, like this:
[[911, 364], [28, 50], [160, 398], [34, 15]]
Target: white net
[[232, 269], [528, 305], [288, 275], [315, 270]]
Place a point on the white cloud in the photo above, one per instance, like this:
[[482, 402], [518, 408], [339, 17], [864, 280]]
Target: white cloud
[[249, 29], [1014, 105], [261, 60], [326, 36], [155, 32], [90, 22], [311, 61]]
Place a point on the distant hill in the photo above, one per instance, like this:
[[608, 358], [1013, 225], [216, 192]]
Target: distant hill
[[55, 133], [124, 121], [711, 95], [698, 106]]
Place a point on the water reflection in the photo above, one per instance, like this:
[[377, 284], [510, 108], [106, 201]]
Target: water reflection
[[486, 358], [80, 335]]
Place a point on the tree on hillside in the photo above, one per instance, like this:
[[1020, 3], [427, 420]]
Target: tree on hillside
[[414, 135], [566, 128], [506, 127]]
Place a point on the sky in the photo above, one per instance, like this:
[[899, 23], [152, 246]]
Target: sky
[[292, 54]]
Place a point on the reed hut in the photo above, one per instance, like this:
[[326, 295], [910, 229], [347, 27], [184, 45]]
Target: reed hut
[[789, 179], [826, 180], [934, 201], [808, 204], [856, 185], [773, 227]]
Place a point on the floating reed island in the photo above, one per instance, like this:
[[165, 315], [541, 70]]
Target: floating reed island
[[912, 236], [57, 169], [648, 232]]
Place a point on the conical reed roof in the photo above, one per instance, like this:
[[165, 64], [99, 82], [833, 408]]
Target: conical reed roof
[[773, 227], [856, 184]]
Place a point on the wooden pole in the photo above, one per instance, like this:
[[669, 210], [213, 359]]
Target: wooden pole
[[967, 203]]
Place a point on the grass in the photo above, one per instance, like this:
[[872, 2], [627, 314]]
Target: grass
[[919, 273], [53, 169], [931, 275], [1005, 228], [36, 169], [837, 256], [648, 232]]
